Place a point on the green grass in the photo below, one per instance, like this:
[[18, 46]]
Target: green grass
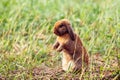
[[26, 35]]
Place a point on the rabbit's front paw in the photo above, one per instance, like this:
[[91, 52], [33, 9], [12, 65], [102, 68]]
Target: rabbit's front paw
[[56, 44], [59, 49]]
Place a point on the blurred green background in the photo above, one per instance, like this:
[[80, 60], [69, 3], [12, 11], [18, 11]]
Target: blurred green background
[[26, 35]]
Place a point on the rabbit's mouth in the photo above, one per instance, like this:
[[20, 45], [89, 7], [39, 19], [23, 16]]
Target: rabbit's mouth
[[56, 32]]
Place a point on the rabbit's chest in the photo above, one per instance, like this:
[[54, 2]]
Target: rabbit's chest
[[65, 39], [66, 42]]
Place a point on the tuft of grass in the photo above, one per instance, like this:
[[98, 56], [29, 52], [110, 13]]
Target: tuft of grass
[[26, 37]]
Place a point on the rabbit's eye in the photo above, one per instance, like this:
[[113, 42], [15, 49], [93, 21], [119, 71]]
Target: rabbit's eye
[[61, 25]]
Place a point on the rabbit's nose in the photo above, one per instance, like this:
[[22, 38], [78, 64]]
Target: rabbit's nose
[[54, 32]]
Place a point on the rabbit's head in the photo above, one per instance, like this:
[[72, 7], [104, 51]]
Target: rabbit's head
[[63, 27]]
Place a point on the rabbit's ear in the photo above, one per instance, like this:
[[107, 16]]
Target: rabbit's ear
[[70, 31]]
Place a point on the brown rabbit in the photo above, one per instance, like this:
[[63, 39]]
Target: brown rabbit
[[74, 53]]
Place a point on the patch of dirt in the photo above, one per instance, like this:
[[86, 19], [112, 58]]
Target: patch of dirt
[[98, 70], [46, 73]]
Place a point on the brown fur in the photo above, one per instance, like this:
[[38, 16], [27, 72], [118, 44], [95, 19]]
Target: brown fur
[[74, 53]]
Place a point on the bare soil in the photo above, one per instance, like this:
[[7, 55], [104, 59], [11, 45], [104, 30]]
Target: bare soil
[[96, 71]]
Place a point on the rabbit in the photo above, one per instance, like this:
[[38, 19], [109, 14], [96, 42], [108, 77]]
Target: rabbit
[[74, 53]]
